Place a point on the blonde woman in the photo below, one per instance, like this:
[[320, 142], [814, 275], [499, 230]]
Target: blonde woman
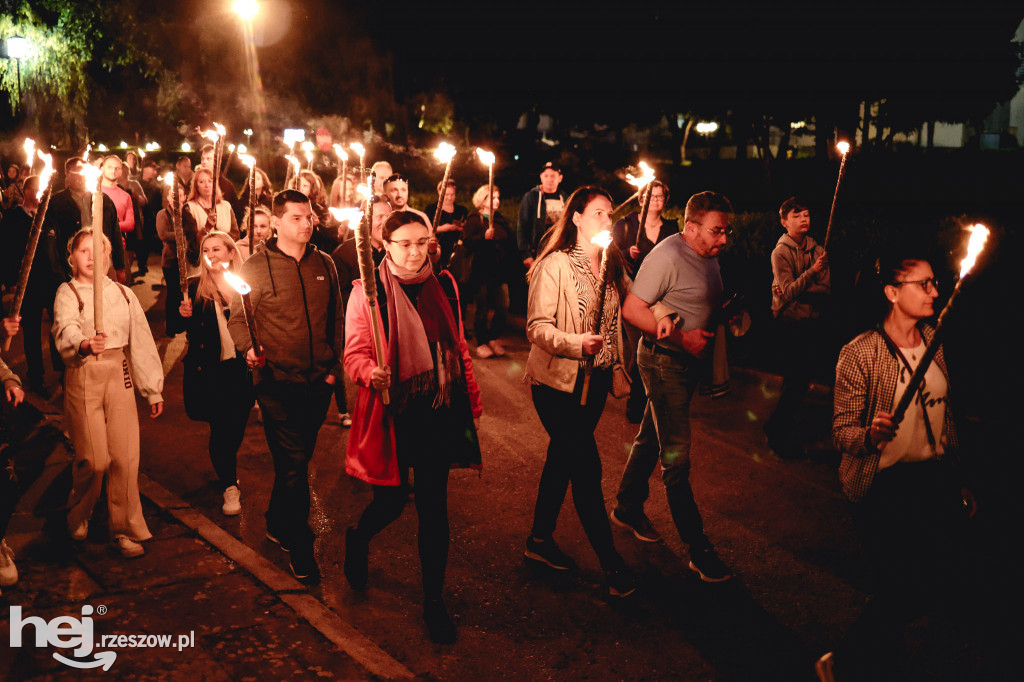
[[99, 400], [199, 215], [217, 387]]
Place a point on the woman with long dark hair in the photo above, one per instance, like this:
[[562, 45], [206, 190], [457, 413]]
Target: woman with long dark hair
[[216, 387], [429, 425], [561, 311]]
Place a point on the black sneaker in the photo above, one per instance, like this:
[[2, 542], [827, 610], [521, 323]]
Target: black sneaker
[[303, 565], [274, 536], [709, 566], [621, 582], [440, 627], [356, 558], [639, 524], [547, 552]]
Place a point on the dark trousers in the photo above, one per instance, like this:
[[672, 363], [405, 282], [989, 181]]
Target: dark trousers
[[227, 429], [339, 396], [172, 319], [573, 458], [31, 325], [911, 525], [490, 297], [800, 346], [292, 416]]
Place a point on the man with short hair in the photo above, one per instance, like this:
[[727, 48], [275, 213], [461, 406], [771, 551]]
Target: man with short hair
[[383, 171], [540, 208], [396, 187], [300, 321], [681, 273], [71, 209], [801, 288], [183, 171]]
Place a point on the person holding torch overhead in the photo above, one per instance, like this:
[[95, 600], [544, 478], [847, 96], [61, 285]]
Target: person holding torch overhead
[[901, 478], [562, 308], [301, 325]]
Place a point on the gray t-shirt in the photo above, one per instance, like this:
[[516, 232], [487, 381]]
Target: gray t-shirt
[[682, 279]]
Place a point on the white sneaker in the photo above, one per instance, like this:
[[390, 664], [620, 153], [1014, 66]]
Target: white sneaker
[[128, 547], [484, 351], [232, 501], [345, 420], [498, 349], [8, 571], [81, 531]]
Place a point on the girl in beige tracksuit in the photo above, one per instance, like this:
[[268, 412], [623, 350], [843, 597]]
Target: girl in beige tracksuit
[[99, 400]]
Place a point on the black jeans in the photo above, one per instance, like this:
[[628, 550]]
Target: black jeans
[[912, 527], [573, 458], [292, 416], [491, 297], [800, 346], [31, 324], [430, 466], [172, 319]]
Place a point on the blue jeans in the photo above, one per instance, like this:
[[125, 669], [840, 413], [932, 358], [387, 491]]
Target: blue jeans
[[664, 433]]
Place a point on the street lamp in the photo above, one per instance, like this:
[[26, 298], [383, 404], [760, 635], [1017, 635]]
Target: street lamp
[[18, 48], [246, 9]]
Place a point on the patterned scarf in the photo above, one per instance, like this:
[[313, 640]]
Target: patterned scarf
[[586, 294]]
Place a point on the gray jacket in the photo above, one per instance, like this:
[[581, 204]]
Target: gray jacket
[[299, 316], [797, 292]]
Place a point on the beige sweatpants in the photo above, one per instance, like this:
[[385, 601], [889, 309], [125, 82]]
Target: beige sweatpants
[[99, 400]]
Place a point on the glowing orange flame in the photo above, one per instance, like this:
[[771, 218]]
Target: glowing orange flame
[[92, 177], [211, 135], [247, 159], [237, 283], [979, 235], [169, 179], [485, 156], [843, 147], [358, 149], [444, 152], [340, 151], [44, 177], [602, 239], [294, 162], [349, 215], [30, 150], [641, 181]]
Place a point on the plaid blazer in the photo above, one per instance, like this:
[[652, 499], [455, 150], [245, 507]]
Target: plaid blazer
[[866, 378]]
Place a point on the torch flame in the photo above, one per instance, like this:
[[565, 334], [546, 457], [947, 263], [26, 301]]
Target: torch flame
[[602, 239], [220, 129], [30, 150], [223, 265], [363, 191], [247, 159], [358, 149], [294, 162], [85, 156], [340, 151], [44, 177], [211, 135], [641, 181], [92, 177], [979, 235], [307, 146], [843, 147], [349, 215], [485, 157], [444, 152], [237, 283], [169, 179]]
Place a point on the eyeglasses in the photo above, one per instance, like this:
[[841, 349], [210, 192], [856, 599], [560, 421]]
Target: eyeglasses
[[406, 244], [720, 232], [928, 285]]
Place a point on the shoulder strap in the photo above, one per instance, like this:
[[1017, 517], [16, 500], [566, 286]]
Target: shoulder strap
[[898, 354], [81, 303]]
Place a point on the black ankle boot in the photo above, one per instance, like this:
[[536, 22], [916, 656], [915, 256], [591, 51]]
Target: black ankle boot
[[357, 554], [440, 627]]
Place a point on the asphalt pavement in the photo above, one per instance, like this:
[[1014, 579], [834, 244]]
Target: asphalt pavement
[[781, 525]]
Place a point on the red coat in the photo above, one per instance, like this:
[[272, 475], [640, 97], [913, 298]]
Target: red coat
[[370, 454]]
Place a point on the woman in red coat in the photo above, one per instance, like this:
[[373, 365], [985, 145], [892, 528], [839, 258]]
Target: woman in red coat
[[429, 424]]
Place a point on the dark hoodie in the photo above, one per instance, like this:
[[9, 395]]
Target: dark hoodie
[[299, 315]]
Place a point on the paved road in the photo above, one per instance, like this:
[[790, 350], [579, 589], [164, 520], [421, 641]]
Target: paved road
[[781, 525]]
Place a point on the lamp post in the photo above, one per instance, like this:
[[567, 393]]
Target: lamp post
[[247, 11], [17, 48]]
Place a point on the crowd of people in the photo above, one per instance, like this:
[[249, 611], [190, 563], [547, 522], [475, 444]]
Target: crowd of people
[[641, 319]]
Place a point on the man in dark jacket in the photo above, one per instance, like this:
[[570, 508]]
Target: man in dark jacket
[[539, 210], [71, 209], [300, 321]]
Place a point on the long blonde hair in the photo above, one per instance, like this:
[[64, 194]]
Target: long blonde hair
[[207, 287], [193, 190]]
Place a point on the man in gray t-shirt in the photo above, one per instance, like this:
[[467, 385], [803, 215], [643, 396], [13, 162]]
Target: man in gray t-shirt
[[682, 273]]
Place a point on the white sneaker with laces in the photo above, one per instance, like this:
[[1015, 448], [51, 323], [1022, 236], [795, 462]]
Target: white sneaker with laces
[[498, 349], [484, 351], [128, 547], [8, 571], [232, 501]]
